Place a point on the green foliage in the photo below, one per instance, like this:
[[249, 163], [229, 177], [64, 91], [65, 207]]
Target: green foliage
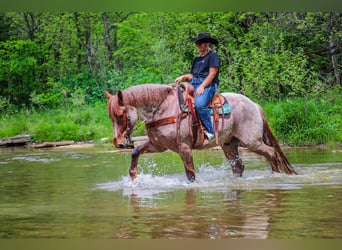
[[4, 104], [303, 121], [14, 124], [266, 69], [45, 57], [80, 124], [5, 27], [18, 70]]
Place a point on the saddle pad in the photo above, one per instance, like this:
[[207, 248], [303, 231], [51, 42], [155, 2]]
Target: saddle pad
[[226, 109]]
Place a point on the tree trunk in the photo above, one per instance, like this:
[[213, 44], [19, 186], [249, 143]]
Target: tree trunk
[[332, 29], [78, 33], [107, 36], [30, 24], [332, 51], [87, 36]]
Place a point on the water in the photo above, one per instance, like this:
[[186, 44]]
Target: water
[[87, 194]]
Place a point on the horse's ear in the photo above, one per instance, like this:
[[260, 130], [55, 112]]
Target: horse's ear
[[108, 94], [120, 98]]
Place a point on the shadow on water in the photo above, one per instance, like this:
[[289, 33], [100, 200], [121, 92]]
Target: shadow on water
[[88, 194]]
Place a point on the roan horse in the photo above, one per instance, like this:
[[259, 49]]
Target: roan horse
[[158, 106]]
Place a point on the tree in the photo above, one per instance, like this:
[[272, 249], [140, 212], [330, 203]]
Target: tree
[[19, 70], [110, 24], [5, 27], [32, 23], [334, 29], [269, 55]]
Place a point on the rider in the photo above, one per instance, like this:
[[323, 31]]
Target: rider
[[203, 75]]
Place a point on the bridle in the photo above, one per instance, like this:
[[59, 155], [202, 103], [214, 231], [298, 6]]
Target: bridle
[[129, 130]]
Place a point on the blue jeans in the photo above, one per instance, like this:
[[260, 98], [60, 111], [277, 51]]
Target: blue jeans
[[202, 101]]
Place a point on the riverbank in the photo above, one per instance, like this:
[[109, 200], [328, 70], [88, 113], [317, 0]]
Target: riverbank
[[24, 141], [105, 142]]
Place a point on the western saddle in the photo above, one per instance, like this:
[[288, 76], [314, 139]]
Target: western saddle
[[187, 109]]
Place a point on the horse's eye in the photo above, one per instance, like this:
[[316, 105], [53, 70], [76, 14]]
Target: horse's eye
[[121, 117]]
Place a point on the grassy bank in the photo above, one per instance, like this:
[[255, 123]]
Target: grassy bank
[[294, 122], [79, 124], [306, 122]]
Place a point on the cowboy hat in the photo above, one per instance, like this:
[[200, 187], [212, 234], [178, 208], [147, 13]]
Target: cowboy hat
[[204, 37]]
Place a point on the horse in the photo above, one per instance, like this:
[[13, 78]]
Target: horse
[[157, 105]]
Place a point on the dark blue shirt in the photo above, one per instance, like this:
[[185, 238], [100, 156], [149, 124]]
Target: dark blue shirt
[[201, 64]]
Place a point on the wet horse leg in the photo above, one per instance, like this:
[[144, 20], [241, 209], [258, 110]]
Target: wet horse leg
[[269, 153], [185, 153], [232, 154], [133, 171]]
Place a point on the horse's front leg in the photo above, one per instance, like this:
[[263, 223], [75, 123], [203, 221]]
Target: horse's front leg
[[133, 171], [185, 153]]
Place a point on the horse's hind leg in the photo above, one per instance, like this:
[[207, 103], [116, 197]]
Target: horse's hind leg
[[232, 154], [269, 153]]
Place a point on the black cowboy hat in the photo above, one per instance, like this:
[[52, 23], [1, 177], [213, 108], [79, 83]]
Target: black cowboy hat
[[204, 37]]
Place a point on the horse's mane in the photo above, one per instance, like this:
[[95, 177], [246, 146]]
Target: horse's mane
[[146, 93]]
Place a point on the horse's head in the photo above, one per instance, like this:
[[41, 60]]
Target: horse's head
[[123, 117]]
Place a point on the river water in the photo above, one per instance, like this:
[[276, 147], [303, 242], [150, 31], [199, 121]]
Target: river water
[[86, 193]]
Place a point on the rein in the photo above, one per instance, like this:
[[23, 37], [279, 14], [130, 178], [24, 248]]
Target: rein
[[130, 129]]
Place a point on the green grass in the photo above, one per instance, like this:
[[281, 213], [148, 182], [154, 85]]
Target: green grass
[[306, 122], [82, 124]]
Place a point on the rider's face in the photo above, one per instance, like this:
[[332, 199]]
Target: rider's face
[[202, 47]]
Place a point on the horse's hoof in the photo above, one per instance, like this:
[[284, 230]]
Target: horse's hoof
[[191, 178], [238, 170], [133, 174], [237, 174]]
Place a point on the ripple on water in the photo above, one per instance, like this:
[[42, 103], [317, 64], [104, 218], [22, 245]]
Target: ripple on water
[[34, 158]]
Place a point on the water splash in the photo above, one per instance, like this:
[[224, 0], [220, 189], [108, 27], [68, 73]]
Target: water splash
[[209, 178]]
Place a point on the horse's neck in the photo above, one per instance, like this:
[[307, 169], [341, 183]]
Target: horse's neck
[[154, 111]]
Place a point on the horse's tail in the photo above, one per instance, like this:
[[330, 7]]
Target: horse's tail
[[270, 140]]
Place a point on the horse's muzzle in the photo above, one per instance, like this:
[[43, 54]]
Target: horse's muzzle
[[122, 145]]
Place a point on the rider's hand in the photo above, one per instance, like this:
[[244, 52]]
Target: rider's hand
[[179, 79], [200, 90]]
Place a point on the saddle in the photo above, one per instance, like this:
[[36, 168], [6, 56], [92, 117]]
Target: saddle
[[218, 107]]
